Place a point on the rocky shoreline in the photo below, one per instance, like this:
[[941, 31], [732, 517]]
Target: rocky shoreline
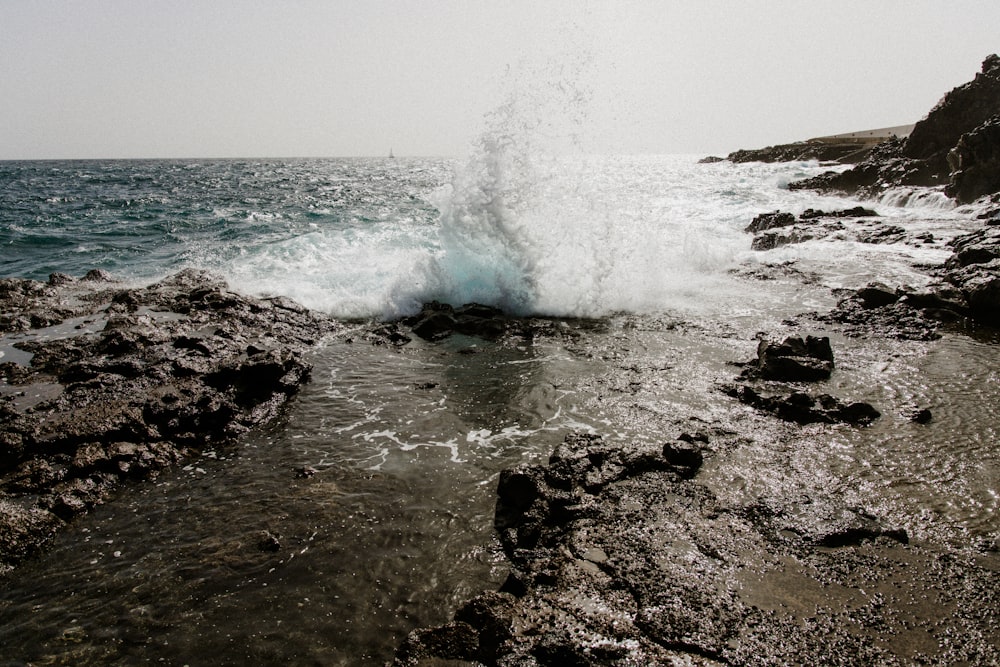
[[106, 383]]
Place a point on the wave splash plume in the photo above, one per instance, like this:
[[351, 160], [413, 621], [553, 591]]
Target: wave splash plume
[[533, 232]]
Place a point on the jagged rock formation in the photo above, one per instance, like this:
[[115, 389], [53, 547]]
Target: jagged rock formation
[[105, 384], [957, 145]]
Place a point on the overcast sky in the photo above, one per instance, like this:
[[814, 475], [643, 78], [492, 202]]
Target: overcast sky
[[228, 78]]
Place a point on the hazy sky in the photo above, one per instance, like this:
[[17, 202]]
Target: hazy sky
[[227, 78]]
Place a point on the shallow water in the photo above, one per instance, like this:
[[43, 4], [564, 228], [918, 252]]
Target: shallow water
[[394, 529]]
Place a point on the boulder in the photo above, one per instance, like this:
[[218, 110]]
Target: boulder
[[792, 360], [974, 270], [437, 321], [876, 295], [766, 221], [804, 408]]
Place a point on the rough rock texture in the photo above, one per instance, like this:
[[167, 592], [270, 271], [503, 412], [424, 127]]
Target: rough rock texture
[[106, 384], [845, 152], [975, 163], [773, 230], [968, 286], [618, 557], [804, 408], [957, 145], [792, 360], [902, 313], [763, 384], [974, 270], [440, 320]]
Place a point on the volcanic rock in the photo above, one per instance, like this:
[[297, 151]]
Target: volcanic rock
[[804, 408], [975, 163], [651, 568], [131, 381], [957, 145], [440, 320], [766, 221], [792, 360]]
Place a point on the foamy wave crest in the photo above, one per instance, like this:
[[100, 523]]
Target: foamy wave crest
[[921, 198]]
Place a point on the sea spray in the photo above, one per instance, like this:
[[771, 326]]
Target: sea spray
[[498, 213]]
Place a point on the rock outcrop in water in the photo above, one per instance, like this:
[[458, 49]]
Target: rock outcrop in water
[[967, 287], [796, 360], [103, 384], [957, 145]]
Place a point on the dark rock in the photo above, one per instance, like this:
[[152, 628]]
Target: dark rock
[[792, 360], [974, 270], [98, 276], [57, 279], [876, 295], [960, 111], [437, 321], [769, 240], [905, 314], [856, 212], [975, 163], [388, 334], [305, 472], [883, 234], [772, 230], [843, 152], [766, 221], [957, 145], [268, 541], [803, 408], [456, 641], [711, 159], [141, 394], [920, 415], [685, 455], [652, 569]]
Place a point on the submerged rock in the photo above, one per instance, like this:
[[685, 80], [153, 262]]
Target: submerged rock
[[805, 408], [440, 320], [137, 380]]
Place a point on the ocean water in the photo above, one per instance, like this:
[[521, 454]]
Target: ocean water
[[644, 262], [376, 237]]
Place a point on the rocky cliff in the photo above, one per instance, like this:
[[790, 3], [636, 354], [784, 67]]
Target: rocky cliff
[[957, 146]]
